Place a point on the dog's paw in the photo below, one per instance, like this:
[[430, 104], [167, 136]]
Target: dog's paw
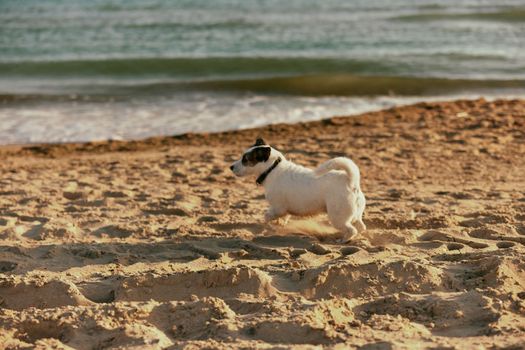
[[282, 221], [348, 236], [343, 240], [269, 217]]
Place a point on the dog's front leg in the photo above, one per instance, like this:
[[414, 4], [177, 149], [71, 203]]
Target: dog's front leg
[[272, 214]]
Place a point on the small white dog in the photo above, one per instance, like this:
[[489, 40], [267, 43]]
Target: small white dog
[[291, 189]]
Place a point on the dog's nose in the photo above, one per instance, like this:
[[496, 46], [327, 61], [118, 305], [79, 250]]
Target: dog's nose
[[231, 167]]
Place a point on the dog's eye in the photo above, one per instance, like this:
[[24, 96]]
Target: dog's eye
[[249, 159]]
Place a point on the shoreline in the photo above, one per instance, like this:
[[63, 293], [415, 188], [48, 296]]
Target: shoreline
[[154, 243], [63, 122], [130, 145]]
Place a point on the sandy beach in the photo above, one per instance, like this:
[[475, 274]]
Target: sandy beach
[[156, 244]]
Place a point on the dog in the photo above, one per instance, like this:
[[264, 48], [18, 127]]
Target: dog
[[332, 188]]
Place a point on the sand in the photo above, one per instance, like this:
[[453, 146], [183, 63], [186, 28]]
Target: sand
[[155, 244]]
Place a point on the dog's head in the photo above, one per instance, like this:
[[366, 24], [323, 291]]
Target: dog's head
[[256, 159]]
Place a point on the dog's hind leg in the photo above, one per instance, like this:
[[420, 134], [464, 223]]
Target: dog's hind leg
[[360, 203], [340, 218], [349, 231], [360, 225]]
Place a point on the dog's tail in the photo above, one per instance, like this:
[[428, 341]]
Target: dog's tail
[[344, 164]]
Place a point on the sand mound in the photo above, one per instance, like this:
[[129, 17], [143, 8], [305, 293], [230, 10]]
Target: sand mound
[[19, 293], [373, 279], [227, 283]]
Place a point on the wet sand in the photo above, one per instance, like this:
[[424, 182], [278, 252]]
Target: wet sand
[[155, 244]]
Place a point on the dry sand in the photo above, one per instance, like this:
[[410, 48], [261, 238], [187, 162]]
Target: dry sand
[[155, 244]]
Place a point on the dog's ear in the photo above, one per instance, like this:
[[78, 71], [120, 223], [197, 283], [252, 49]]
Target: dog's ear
[[262, 154], [259, 142]]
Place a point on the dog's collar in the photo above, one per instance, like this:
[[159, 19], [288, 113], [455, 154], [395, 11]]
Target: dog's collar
[[263, 176]]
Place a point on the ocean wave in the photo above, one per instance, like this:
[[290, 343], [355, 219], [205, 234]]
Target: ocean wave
[[349, 85], [507, 15], [191, 67], [304, 85], [95, 71]]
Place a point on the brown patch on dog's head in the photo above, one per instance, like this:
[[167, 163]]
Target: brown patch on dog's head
[[259, 142], [256, 155]]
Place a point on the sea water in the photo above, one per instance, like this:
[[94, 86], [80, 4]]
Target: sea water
[[91, 70]]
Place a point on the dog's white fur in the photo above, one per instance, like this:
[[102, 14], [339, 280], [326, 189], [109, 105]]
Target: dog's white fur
[[291, 189]]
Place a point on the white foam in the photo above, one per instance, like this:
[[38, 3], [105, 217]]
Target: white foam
[[54, 122]]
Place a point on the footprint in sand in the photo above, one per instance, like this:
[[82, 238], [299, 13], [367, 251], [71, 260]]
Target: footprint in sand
[[505, 244], [438, 236], [113, 232], [349, 250], [115, 194], [520, 229], [166, 211], [488, 219], [493, 235], [319, 249], [455, 246], [484, 233], [6, 266], [295, 253], [73, 195], [207, 218], [72, 192], [252, 250], [35, 232]]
